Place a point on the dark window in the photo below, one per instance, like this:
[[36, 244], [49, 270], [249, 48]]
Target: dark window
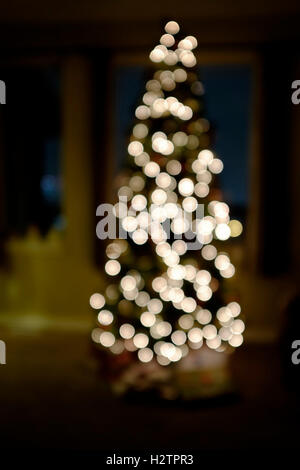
[[30, 149]]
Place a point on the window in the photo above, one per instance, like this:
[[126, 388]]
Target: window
[[30, 148]]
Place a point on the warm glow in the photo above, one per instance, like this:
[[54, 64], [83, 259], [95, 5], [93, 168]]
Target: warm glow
[[97, 301], [172, 27]]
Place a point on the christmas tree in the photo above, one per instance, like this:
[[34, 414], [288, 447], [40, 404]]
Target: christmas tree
[[167, 265]]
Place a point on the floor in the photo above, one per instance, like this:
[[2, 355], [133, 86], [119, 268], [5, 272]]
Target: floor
[[53, 397]]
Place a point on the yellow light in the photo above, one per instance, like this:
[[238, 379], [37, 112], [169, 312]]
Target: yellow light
[[140, 236], [180, 75], [163, 361], [168, 350], [172, 259], [237, 326], [147, 319], [203, 277], [186, 321], [128, 283], [163, 180], [176, 294], [206, 156], [129, 223], [224, 314], [221, 210], [144, 220], [105, 317], [190, 204], [180, 138], [176, 272], [171, 210], [195, 335], [131, 294], [228, 272], [235, 309], [176, 355], [209, 331], [159, 196], [216, 166], [190, 272], [225, 333], [163, 249], [203, 316], [163, 328], [205, 226], [173, 167], [168, 84], [142, 112], [214, 343], [97, 301], [167, 40], [236, 340], [179, 246], [204, 176], [140, 131], [125, 193], [171, 59], [127, 331], [159, 284], [117, 347], [201, 189], [209, 252], [204, 293], [172, 27], [140, 340], [222, 262], [186, 187], [142, 299], [188, 59], [157, 55], [236, 228], [151, 169], [155, 306], [96, 333], [107, 339], [112, 267], [142, 159], [139, 202], [185, 113], [185, 44], [178, 337], [222, 231], [135, 148], [113, 251], [192, 40], [145, 355]]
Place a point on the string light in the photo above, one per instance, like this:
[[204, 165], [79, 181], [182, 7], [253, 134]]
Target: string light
[[172, 27], [105, 317], [173, 172], [127, 331], [97, 301], [112, 267]]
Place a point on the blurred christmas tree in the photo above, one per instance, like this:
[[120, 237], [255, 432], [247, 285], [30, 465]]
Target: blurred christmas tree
[[167, 265]]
